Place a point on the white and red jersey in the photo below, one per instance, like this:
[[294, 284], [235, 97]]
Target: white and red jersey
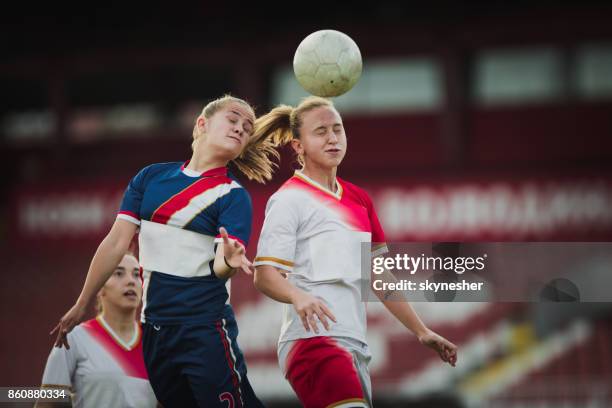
[[100, 369], [317, 235]]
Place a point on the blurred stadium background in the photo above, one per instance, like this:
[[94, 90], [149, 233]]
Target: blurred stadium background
[[489, 121]]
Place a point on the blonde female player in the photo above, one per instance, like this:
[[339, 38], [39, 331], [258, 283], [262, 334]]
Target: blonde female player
[[104, 365], [184, 210], [312, 233]]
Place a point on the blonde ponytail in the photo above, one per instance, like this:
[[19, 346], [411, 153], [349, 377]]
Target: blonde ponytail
[[271, 130], [282, 124]]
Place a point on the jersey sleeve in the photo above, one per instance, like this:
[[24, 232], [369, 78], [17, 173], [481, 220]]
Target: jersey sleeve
[[235, 215], [132, 198], [277, 241], [379, 245], [60, 367]]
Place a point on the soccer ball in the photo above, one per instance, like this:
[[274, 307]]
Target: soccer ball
[[327, 63]]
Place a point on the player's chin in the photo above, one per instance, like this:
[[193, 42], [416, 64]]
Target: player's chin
[[334, 160], [130, 301], [232, 150]]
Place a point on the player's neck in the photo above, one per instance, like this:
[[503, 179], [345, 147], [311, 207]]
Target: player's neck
[[201, 162], [121, 322], [325, 177]]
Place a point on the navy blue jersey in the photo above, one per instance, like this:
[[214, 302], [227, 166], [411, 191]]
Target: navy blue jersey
[[179, 213]]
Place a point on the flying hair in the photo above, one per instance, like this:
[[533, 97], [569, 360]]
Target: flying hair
[[282, 124]]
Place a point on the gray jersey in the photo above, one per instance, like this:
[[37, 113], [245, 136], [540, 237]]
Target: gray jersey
[[100, 369]]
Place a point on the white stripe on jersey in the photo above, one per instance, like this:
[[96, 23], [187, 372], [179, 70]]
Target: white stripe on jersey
[[129, 218], [199, 203], [175, 251], [146, 278]]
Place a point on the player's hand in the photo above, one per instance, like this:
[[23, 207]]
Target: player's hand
[[445, 349], [235, 253], [307, 307], [73, 317]]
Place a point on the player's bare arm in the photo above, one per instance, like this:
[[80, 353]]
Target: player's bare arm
[[107, 257], [271, 281], [398, 305]]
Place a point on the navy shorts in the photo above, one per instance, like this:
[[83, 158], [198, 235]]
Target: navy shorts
[[197, 365]]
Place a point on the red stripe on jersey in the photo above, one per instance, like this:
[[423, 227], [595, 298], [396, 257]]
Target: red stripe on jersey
[[131, 361], [181, 199], [350, 207], [217, 171]]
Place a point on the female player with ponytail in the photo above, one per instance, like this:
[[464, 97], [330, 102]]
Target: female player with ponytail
[[195, 221], [308, 257]]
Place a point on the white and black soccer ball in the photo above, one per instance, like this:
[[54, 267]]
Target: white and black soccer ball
[[327, 63]]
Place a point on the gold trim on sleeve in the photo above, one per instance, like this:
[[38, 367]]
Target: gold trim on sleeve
[[272, 259]]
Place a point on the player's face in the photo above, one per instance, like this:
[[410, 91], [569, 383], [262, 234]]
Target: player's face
[[124, 288], [322, 138], [229, 129]]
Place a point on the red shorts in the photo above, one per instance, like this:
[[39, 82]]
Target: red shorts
[[323, 375]]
